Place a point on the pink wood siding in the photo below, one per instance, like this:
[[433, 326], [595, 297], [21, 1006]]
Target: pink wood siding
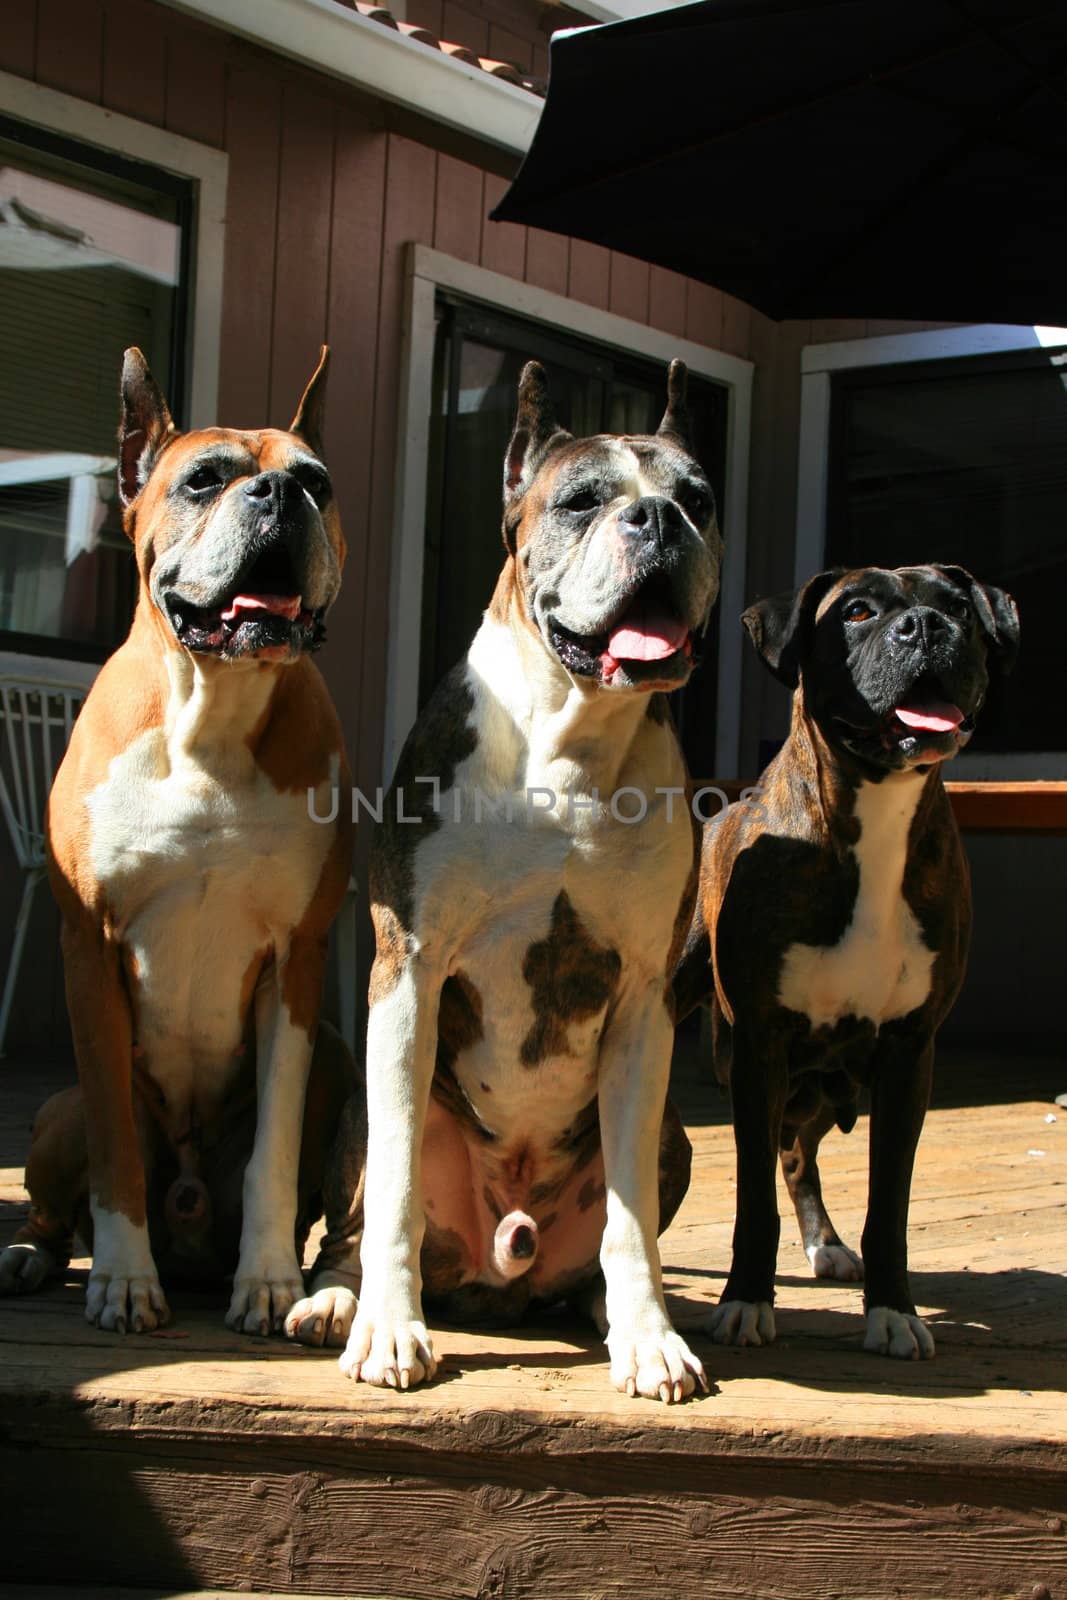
[[325, 193]]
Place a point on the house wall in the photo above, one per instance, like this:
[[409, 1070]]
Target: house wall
[[326, 188]]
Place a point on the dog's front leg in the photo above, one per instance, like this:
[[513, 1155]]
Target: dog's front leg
[[900, 1093], [389, 1343], [124, 1289], [268, 1280], [647, 1356]]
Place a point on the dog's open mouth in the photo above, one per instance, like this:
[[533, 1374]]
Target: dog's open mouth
[[926, 725], [928, 714], [264, 614], [647, 643]]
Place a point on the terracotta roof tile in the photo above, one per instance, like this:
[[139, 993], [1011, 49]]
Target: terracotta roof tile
[[460, 52], [423, 35], [509, 71], [377, 14]]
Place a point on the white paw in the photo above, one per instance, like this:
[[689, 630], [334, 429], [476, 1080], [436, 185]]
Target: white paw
[[121, 1299], [124, 1289], [325, 1317], [263, 1294], [835, 1261], [742, 1322], [660, 1368], [23, 1268], [393, 1352], [898, 1333]]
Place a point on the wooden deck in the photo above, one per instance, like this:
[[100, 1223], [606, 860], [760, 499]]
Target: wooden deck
[[197, 1459]]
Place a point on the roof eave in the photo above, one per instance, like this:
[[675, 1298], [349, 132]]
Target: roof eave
[[381, 61]]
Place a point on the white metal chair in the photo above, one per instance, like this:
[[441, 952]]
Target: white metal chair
[[37, 717]]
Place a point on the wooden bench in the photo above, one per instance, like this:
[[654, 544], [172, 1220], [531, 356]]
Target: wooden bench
[[1018, 807]]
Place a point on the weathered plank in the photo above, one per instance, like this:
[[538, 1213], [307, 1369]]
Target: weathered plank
[[812, 1470]]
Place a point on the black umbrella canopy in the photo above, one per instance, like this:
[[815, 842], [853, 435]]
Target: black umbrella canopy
[[868, 158]]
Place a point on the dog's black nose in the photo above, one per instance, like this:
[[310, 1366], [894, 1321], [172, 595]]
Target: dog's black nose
[[918, 628], [654, 518], [273, 488]]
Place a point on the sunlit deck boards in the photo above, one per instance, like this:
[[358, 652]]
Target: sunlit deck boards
[[812, 1470]]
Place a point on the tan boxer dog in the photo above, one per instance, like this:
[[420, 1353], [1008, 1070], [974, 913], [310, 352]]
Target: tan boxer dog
[[531, 883], [196, 890], [834, 917]]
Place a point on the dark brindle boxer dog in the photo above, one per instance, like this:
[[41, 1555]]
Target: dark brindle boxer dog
[[520, 1025], [195, 889], [839, 911]]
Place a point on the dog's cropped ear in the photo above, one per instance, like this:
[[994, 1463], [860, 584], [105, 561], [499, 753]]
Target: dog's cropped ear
[[675, 423], [536, 433], [146, 425], [783, 626], [997, 613], [310, 413]]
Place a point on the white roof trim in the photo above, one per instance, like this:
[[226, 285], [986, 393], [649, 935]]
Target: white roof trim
[[623, 10], [382, 62]]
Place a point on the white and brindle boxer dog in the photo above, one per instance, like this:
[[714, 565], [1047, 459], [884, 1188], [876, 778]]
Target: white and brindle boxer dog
[[196, 891], [517, 1137], [839, 916]]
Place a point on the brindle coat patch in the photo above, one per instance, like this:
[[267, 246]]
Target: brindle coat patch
[[572, 978], [459, 1028], [442, 738]]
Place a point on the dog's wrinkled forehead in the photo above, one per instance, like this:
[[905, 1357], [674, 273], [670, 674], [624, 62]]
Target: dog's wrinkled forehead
[[612, 468], [169, 507], [894, 588]]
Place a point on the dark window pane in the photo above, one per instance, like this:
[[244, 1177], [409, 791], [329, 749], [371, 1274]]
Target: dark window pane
[[966, 462], [90, 262]]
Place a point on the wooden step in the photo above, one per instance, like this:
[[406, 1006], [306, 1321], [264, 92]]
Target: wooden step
[[812, 1470]]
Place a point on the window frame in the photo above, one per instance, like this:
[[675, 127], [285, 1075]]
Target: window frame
[[818, 364], [428, 272], [118, 141]]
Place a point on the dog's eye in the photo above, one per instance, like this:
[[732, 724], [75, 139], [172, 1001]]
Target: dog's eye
[[314, 481], [203, 480], [695, 501], [858, 611], [581, 500], [959, 608]]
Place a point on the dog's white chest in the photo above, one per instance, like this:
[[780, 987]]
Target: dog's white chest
[[206, 871], [881, 968], [556, 923]]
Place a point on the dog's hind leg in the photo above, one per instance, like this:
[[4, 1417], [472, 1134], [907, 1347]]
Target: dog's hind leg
[[57, 1177], [326, 1314], [830, 1257], [332, 1082]]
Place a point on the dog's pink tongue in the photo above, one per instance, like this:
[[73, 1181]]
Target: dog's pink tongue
[[647, 636], [936, 716], [282, 605]]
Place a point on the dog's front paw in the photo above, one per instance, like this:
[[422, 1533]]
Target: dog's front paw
[[117, 1300], [659, 1368], [393, 1352], [23, 1268], [324, 1318], [742, 1322], [835, 1261], [263, 1295], [898, 1333]]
